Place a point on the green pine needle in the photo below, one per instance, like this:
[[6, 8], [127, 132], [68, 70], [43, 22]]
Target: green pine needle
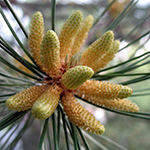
[[11, 118], [58, 125], [16, 17], [94, 141], [84, 139], [5, 95], [131, 114], [65, 128], [53, 7], [121, 16], [136, 40], [125, 62], [27, 124], [74, 132], [43, 134], [17, 69], [15, 36], [136, 27], [54, 131], [103, 13]]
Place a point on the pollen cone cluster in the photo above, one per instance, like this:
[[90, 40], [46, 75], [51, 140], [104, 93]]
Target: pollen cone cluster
[[69, 74]]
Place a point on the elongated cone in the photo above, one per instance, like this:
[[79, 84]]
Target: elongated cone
[[76, 76], [36, 35], [50, 53], [68, 32], [24, 100], [46, 104], [119, 104], [81, 117], [94, 91], [82, 34], [97, 49], [106, 58]]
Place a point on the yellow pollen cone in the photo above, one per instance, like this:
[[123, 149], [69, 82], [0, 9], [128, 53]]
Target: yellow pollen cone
[[36, 35], [93, 90], [50, 53], [76, 76], [81, 117], [68, 32], [24, 100], [97, 49], [107, 57], [47, 103], [119, 104], [82, 34]]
